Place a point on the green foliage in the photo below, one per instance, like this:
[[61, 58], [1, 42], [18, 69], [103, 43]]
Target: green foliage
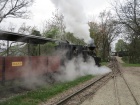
[[125, 59], [130, 65], [120, 46], [34, 48], [36, 97], [104, 33], [35, 32], [95, 34], [15, 51], [104, 63], [47, 48], [71, 38], [52, 33], [129, 18], [134, 50], [55, 26]]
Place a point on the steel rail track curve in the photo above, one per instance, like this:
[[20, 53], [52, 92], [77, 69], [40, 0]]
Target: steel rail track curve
[[115, 72], [132, 93], [119, 70], [82, 89]]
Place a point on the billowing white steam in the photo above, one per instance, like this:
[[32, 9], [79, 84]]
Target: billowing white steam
[[77, 68], [33, 78], [91, 41], [71, 70], [74, 17]]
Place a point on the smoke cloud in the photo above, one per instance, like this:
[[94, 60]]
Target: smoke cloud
[[77, 67], [74, 17], [41, 74], [33, 77]]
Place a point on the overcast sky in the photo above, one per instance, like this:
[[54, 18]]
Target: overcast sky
[[42, 10]]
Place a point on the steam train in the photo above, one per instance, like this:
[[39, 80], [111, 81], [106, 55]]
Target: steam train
[[15, 67]]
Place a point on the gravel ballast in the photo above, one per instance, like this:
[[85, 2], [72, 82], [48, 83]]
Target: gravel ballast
[[68, 92], [106, 95]]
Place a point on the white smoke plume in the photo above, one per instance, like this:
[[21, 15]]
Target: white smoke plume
[[33, 78], [72, 69], [77, 67], [74, 17]]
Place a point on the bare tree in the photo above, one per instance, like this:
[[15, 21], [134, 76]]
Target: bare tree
[[14, 8], [55, 27], [109, 31], [25, 29], [95, 34], [11, 27], [128, 14], [104, 33]]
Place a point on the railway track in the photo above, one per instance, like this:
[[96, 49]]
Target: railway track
[[9, 92], [77, 97], [80, 95], [117, 71], [88, 90]]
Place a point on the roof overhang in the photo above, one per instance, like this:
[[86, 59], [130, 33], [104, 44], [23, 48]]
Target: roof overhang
[[11, 36]]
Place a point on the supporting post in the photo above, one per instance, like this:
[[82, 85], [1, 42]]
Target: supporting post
[[28, 47], [39, 49], [7, 48], [3, 71]]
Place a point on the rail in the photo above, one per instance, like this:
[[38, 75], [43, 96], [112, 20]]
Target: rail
[[64, 100], [117, 70]]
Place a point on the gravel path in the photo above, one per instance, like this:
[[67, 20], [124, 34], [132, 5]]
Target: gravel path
[[124, 94], [119, 59], [106, 96], [132, 75]]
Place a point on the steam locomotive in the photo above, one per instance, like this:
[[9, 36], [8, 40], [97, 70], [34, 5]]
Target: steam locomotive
[[79, 50], [13, 67]]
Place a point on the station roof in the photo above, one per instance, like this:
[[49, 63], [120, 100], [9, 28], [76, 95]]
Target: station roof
[[11, 36]]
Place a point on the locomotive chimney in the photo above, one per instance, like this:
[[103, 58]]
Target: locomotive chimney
[[91, 44]]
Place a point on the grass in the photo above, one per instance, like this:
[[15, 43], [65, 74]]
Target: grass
[[104, 63], [43, 94], [127, 64], [130, 65]]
